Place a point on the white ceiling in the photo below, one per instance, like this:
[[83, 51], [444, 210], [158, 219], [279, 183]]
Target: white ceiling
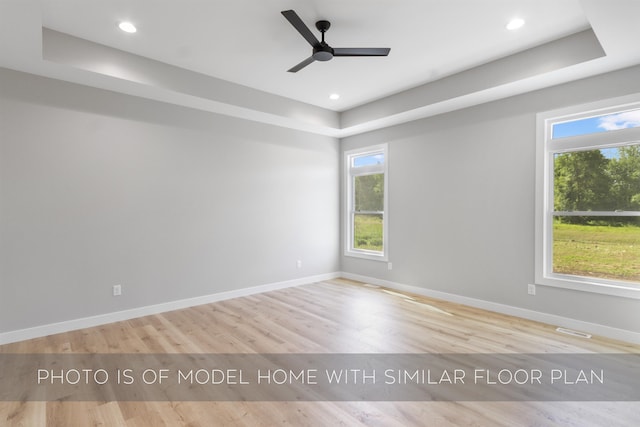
[[231, 56], [249, 42]]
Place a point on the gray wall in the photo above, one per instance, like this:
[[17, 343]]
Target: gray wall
[[461, 203], [98, 188]]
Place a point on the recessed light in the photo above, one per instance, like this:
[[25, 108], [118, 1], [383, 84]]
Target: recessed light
[[515, 23], [334, 96], [127, 27]]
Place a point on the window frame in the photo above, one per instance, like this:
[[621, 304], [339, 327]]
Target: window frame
[[546, 148], [350, 173]]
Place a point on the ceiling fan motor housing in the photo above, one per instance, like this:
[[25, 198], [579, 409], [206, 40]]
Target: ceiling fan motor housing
[[324, 52]]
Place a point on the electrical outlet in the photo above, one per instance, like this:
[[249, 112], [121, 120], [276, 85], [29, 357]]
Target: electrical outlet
[[299, 263], [390, 266], [117, 290], [531, 289]]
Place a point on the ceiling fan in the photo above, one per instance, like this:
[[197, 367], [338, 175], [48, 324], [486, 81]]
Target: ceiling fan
[[321, 50]]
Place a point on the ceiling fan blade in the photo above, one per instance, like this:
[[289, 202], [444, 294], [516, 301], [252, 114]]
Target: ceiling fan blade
[[301, 65], [297, 23], [361, 51]]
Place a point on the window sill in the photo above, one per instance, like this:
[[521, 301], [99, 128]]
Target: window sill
[[583, 284], [373, 256]]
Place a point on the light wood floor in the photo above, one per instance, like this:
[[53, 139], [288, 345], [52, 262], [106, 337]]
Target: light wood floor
[[336, 316]]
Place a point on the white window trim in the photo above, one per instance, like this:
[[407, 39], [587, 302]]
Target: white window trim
[[544, 184], [349, 250]]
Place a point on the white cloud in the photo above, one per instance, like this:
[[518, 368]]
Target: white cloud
[[629, 119]]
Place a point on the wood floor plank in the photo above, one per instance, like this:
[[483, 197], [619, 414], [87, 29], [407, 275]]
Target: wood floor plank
[[336, 316]]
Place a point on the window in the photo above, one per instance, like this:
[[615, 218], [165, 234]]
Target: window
[[366, 203], [588, 198]]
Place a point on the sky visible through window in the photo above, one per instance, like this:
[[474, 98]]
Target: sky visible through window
[[368, 160], [624, 120]]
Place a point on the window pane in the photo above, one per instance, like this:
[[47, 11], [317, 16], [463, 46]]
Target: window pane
[[605, 123], [367, 160], [600, 247], [369, 193], [598, 180], [367, 232]]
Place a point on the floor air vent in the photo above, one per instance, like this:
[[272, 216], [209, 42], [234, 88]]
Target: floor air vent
[[573, 333]]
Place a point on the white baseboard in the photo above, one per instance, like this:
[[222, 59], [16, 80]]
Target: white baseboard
[[102, 319], [552, 319]]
